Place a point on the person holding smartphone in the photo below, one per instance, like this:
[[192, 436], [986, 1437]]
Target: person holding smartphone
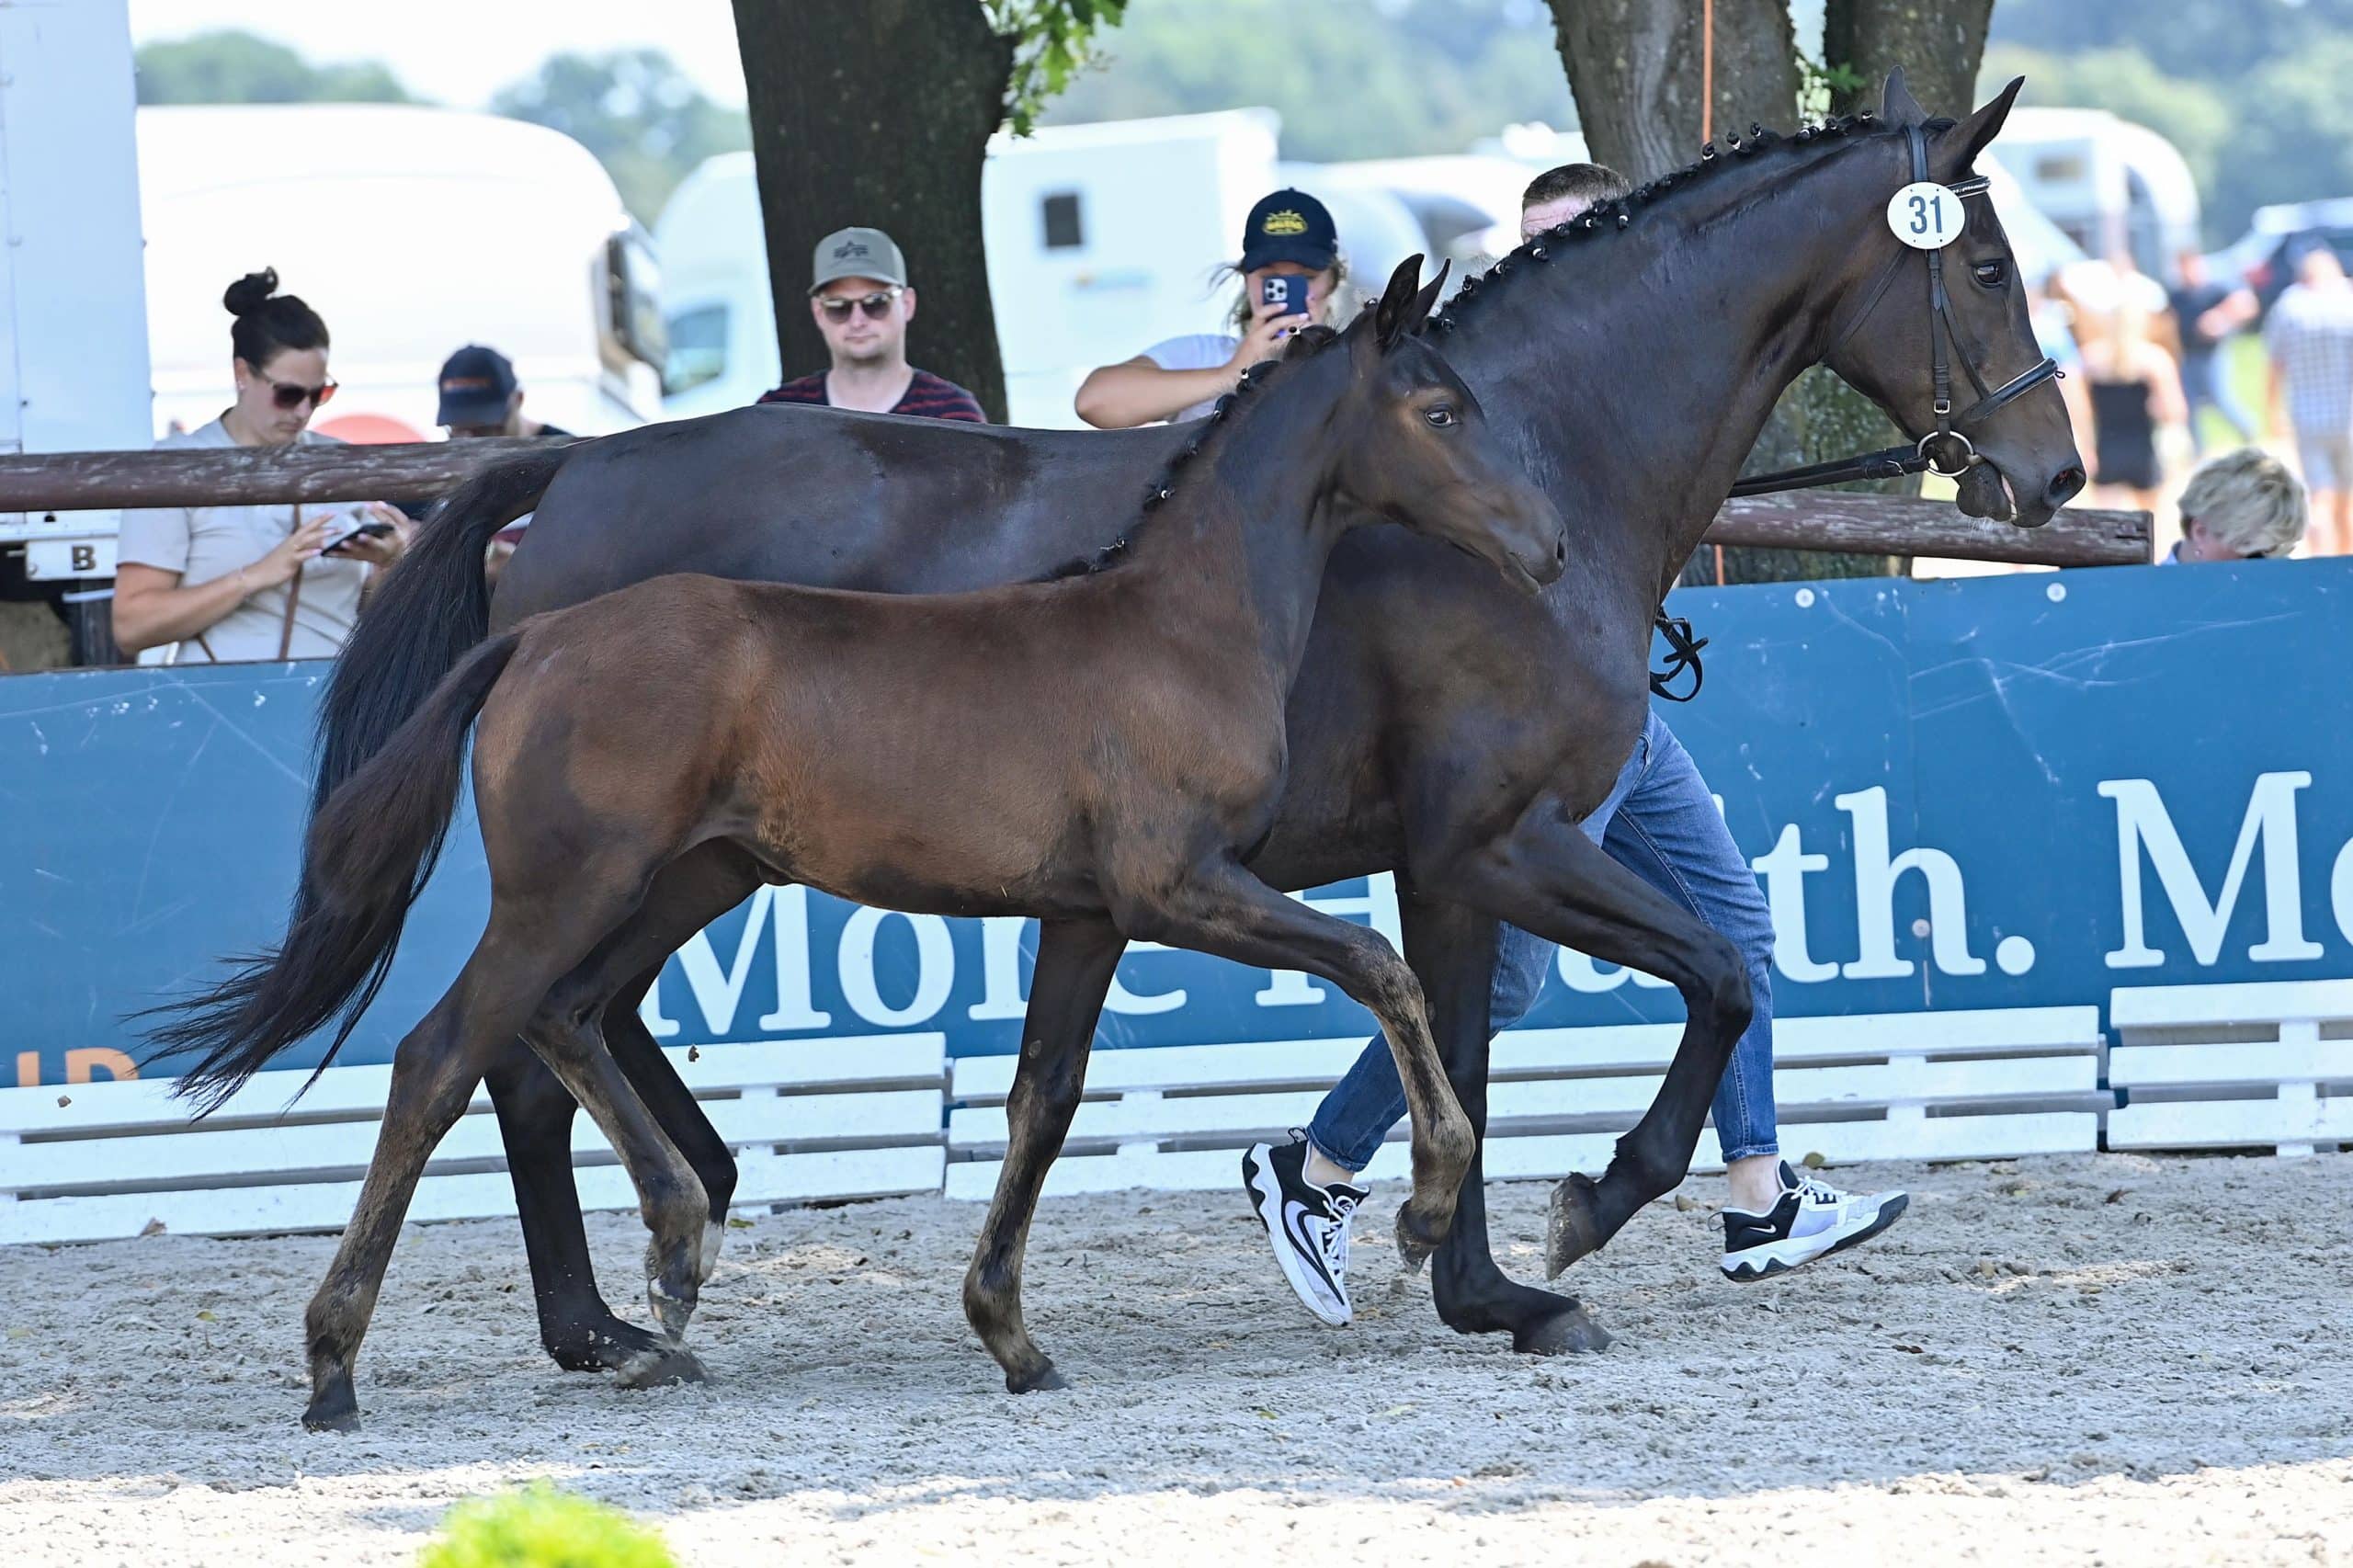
[[229, 583], [1291, 265]]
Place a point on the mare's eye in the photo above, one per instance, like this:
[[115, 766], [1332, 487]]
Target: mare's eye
[[1440, 414], [1990, 274]]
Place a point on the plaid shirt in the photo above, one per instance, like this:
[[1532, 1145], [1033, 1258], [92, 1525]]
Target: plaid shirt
[[2310, 337]]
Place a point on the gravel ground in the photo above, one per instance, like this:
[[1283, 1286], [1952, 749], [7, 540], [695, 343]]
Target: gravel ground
[[2097, 1359]]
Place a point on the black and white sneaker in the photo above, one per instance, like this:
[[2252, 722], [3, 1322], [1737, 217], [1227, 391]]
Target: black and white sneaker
[[1308, 1224], [1811, 1220]]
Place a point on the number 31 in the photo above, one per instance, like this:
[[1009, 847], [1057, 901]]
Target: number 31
[[1927, 215]]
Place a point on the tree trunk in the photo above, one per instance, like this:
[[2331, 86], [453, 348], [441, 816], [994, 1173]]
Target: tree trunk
[[879, 113], [1938, 42], [1636, 69]]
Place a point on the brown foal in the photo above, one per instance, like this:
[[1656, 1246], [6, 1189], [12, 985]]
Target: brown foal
[[1106, 746]]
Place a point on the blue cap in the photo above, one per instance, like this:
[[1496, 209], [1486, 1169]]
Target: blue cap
[[476, 384], [1288, 225]]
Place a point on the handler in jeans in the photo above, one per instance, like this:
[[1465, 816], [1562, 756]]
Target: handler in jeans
[[1660, 823]]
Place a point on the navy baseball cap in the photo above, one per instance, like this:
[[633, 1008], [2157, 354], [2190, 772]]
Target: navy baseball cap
[[476, 383], [1288, 225]]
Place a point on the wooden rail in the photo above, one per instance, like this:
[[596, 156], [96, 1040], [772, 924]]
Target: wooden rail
[[1884, 525]]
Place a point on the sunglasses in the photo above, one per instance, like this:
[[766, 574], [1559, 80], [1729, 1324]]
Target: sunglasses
[[876, 306], [290, 395]]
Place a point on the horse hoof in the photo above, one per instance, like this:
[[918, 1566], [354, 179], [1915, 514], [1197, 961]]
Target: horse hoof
[[333, 1410], [673, 1306], [1416, 1237], [599, 1346], [1572, 1231], [1569, 1332], [661, 1365], [1045, 1380]]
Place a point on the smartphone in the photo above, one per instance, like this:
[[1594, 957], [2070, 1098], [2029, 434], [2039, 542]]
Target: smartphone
[[1287, 290], [371, 528]]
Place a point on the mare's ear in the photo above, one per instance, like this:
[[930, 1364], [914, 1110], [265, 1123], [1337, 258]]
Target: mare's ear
[[1395, 315], [1981, 128], [1896, 104]]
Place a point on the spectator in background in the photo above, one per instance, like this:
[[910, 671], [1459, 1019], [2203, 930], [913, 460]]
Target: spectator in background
[[480, 398], [2056, 337], [2244, 505], [2136, 391], [863, 304], [2310, 339], [228, 584], [2205, 314], [1288, 234]]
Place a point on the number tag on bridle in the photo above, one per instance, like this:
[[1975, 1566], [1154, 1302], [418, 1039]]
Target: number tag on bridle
[[1925, 215]]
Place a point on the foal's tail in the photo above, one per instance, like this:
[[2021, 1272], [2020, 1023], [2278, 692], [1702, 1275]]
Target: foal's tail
[[371, 848]]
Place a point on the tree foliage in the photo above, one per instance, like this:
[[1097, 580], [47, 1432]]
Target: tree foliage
[[1054, 39], [1351, 78], [643, 118], [229, 66]]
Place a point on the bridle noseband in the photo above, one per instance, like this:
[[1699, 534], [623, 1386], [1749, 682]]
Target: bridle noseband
[[1946, 450]]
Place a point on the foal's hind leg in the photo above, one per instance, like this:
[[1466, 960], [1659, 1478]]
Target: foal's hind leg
[[1453, 951], [1075, 960], [434, 1074], [1223, 909], [1549, 877]]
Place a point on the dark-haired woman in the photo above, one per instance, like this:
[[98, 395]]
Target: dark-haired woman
[[1289, 234], [228, 584]]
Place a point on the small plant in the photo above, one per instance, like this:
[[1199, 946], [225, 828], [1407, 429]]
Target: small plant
[[539, 1526]]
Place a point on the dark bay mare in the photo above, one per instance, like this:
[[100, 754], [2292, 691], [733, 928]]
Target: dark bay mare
[[1099, 750], [1442, 726]]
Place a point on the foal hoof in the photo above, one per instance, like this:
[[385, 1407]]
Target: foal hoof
[[1044, 1379], [1416, 1237], [1572, 1231], [1569, 1332], [333, 1409], [661, 1365]]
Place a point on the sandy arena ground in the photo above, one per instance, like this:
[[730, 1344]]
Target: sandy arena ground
[[2104, 1358]]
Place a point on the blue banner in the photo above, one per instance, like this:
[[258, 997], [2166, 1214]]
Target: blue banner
[[1984, 792]]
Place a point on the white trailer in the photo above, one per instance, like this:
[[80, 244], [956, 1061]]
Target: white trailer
[[72, 313]]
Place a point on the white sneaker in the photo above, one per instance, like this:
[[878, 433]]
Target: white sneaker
[[1308, 1225], [1811, 1220]]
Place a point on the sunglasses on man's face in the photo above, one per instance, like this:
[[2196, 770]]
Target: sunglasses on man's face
[[292, 395], [876, 306]]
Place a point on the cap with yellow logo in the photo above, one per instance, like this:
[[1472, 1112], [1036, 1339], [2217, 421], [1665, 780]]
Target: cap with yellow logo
[[1288, 225]]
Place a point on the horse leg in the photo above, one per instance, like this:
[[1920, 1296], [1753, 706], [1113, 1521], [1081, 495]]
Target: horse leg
[[535, 1111], [1221, 909], [435, 1070], [1453, 949], [1547, 877], [1075, 962]]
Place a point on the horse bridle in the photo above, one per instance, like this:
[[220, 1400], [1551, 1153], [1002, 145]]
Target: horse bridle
[[1949, 440], [1946, 450]]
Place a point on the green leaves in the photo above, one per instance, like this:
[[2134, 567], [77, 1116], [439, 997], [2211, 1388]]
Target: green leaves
[[1052, 39]]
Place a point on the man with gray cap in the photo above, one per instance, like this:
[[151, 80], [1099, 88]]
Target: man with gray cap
[[863, 303]]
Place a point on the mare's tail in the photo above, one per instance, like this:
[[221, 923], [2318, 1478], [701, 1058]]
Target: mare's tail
[[372, 846], [427, 613]]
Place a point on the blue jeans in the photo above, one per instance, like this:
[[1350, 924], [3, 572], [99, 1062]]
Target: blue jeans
[[2206, 383], [1660, 824]]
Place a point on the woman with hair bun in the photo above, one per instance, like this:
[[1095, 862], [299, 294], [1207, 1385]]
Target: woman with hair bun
[[229, 583]]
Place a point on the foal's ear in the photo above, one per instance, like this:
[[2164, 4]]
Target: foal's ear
[[1397, 313], [1981, 128], [1896, 104]]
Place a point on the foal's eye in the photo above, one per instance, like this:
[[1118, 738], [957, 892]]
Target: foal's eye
[[1440, 414], [1990, 274]]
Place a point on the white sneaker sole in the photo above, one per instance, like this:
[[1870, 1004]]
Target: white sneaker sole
[[1769, 1258], [1265, 1192]]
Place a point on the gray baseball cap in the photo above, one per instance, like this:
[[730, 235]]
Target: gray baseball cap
[[857, 253]]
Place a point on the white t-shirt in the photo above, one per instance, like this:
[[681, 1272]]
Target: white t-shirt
[[201, 543], [1195, 351]]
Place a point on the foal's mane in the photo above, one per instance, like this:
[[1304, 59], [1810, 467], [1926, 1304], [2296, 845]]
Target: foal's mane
[[1305, 344], [1611, 217]]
